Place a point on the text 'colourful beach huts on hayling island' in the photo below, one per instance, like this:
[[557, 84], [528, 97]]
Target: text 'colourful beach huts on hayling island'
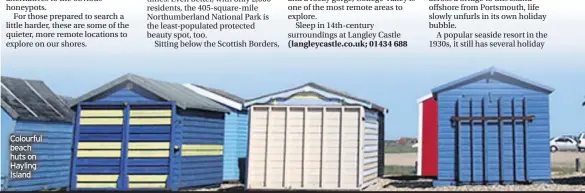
[[140, 133], [492, 128], [36, 137], [313, 137]]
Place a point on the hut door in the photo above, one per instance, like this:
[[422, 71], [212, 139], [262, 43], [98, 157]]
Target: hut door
[[490, 140], [148, 155], [122, 147], [98, 148]]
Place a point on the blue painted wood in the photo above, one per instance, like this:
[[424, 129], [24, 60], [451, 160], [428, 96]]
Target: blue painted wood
[[53, 154], [465, 166], [236, 130], [500, 74], [97, 170], [123, 94], [201, 127], [74, 160], [86, 133], [38, 187], [242, 151], [188, 127], [7, 127], [173, 175], [125, 168], [371, 138]]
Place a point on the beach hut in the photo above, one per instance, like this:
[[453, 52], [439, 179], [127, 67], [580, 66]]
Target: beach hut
[[427, 137], [139, 133], [493, 129], [236, 131], [31, 109], [313, 137]]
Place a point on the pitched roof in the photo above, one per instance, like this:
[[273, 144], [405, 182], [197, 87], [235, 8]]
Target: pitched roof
[[222, 93], [220, 96], [183, 97], [32, 100], [315, 86], [66, 99], [492, 72]]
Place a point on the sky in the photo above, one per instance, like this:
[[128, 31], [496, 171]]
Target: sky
[[394, 81], [392, 77]]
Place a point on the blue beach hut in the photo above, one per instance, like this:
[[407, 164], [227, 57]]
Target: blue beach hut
[[493, 129], [30, 108], [236, 131], [137, 133]]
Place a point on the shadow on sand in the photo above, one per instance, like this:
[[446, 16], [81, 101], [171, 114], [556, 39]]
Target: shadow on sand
[[232, 189], [572, 180], [416, 182], [408, 182]]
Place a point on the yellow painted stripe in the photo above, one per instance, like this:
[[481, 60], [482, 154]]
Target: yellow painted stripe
[[147, 185], [147, 178], [200, 153], [102, 113], [148, 153], [149, 145], [99, 145], [305, 97], [202, 147], [150, 113], [150, 121], [98, 153], [97, 178], [96, 185], [101, 121]]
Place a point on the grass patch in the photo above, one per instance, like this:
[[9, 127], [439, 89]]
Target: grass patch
[[398, 148], [399, 170]]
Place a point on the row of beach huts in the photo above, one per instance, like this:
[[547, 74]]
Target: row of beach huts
[[491, 127]]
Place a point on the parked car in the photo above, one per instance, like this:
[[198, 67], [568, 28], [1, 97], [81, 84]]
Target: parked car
[[581, 142], [563, 143]]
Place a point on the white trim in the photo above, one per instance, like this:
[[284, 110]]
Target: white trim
[[420, 139], [215, 97], [424, 98], [306, 89], [19, 101], [42, 98]]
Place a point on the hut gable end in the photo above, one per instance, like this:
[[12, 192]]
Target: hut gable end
[[493, 78], [150, 90], [127, 92], [312, 93]]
